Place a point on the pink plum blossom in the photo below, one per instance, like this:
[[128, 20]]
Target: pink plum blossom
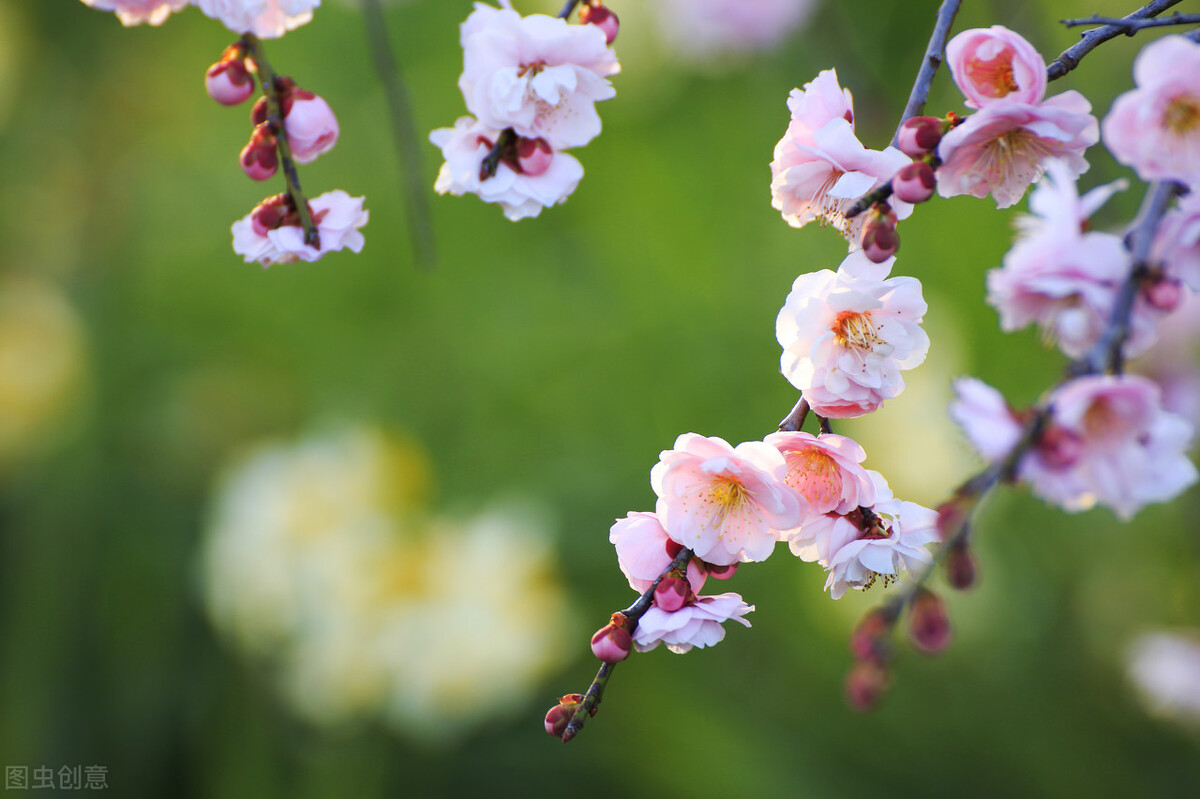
[[819, 537], [846, 339], [1109, 442], [820, 166], [1156, 127], [538, 75], [311, 127], [520, 195], [705, 31], [724, 503], [991, 64], [1064, 279], [135, 12], [1002, 148], [826, 470], [1172, 362], [644, 551], [267, 19], [986, 418], [896, 544], [1177, 242], [338, 217], [695, 624]]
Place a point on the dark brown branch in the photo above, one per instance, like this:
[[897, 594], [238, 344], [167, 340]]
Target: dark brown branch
[[1131, 26], [795, 418], [1097, 36]]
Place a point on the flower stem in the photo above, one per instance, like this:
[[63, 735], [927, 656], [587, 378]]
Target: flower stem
[[795, 418], [1097, 36], [567, 9], [312, 237], [934, 53]]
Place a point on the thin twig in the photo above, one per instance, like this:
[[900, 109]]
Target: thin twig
[[929, 65], [633, 613], [267, 76], [567, 9], [408, 148], [1097, 36], [1131, 26], [795, 418]]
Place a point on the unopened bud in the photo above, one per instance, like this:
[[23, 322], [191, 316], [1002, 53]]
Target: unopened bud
[[919, 136], [602, 18], [1164, 294], [929, 623], [559, 716], [870, 637], [258, 113], [866, 684], [258, 159], [271, 214], [879, 238], [228, 81], [721, 572], [671, 594], [914, 183], [1058, 447], [612, 642], [533, 156], [961, 568]]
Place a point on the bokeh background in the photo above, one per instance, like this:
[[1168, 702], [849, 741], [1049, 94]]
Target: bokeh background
[[442, 452]]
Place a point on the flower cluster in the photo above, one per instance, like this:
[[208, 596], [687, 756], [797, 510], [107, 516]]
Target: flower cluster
[[266, 19], [531, 85]]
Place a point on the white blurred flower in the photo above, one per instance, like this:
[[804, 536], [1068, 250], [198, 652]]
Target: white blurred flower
[[1165, 669]]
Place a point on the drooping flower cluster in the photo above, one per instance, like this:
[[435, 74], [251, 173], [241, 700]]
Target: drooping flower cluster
[[531, 84], [267, 19], [1004, 146]]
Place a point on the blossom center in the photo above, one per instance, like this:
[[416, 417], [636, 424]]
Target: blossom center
[[726, 496], [815, 476], [532, 70], [1182, 114], [856, 331], [1010, 152], [994, 78]]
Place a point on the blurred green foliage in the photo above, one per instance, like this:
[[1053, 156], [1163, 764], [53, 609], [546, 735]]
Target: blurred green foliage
[[552, 358]]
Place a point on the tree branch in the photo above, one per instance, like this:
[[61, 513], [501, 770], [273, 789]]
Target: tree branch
[[1097, 36], [1132, 26], [934, 53]]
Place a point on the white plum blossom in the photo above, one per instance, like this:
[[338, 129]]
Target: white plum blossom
[[696, 624], [895, 545], [1156, 127], [846, 339], [1109, 442], [724, 503], [820, 167], [337, 215], [135, 12], [538, 74], [819, 537], [706, 31], [985, 418], [1165, 669], [267, 19], [520, 194]]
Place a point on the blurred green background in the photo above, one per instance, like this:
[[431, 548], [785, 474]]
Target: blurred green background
[[550, 359]]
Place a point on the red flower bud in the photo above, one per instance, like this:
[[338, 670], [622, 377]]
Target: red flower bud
[[533, 156], [601, 17], [229, 82], [871, 636], [1164, 294], [879, 238], [929, 624], [919, 136], [866, 684], [672, 594], [961, 569], [258, 159], [559, 716], [612, 642], [914, 183]]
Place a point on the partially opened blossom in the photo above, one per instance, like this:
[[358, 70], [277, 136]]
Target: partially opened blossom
[[1177, 242], [135, 12], [989, 64], [705, 31], [538, 75], [518, 192], [896, 544], [985, 417], [826, 470], [1156, 127], [644, 551], [1002, 148], [311, 127], [267, 19], [1109, 442], [846, 339], [277, 237], [696, 624], [722, 502]]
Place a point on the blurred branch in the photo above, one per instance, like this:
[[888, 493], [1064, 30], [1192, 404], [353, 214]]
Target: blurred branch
[[408, 149], [567, 9], [1097, 36], [1131, 26], [934, 53], [267, 76], [633, 613]]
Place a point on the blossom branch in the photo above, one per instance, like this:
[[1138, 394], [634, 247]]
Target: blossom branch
[[253, 46], [1107, 354], [1131, 26], [632, 614], [795, 418], [1092, 39], [934, 53], [408, 146]]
